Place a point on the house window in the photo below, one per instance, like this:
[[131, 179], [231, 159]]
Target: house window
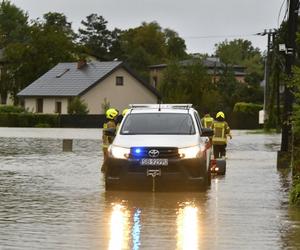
[[39, 105], [154, 81], [119, 80], [58, 107]]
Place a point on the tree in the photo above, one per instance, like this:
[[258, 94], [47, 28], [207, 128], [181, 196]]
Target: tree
[[143, 46], [229, 87], [13, 28], [13, 24], [149, 44], [176, 48], [188, 84], [241, 52], [58, 21], [44, 47], [115, 50], [77, 107], [96, 37]]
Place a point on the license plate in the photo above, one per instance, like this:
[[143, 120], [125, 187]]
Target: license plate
[[154, 162]]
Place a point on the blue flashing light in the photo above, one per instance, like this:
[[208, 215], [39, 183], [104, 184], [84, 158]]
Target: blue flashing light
[[138, 150]]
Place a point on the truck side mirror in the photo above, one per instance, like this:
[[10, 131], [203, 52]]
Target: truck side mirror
[[207, 132]]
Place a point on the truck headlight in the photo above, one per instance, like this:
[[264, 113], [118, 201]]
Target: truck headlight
[[191, 152], [118, 152]]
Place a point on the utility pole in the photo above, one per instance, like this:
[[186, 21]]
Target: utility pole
[[283, 154], [271, 38], [290, 58]]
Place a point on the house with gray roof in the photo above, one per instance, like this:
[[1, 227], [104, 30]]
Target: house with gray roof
[[95, 83], [213, 65]]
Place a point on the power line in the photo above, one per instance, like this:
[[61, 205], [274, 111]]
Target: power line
[[219, 36], [281, 7]]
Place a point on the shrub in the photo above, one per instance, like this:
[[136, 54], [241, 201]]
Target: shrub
[[11, 109], [245, 115], [105, 105], [77, 107], [42, 125], [28, 120], [295, 192], [247, 108]]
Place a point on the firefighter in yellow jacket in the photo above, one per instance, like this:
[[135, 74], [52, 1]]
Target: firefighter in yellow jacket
[[120, 118], [111, 115], [207, 120], [221, 132]]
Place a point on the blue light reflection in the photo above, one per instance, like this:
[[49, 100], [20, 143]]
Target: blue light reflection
[[136, 230]]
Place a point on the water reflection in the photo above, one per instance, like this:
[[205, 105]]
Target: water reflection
[[55, 200], [119, 227], [187, 227], [172, 219], [125, 227], [136, 230]]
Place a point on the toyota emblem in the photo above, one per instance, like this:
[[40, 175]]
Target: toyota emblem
[[153, 153]]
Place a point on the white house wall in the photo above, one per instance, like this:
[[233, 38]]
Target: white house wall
[[48, 104], [30, 104], [9, 100], [119, 97]]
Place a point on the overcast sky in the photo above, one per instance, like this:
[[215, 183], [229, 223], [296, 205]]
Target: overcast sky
[[192, 19]]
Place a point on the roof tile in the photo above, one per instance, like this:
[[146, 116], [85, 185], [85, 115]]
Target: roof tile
[[66, 80]]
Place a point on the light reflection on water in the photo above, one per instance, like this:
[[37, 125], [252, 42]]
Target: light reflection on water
[[187, 227], [55, 200], [155, 221], [136, 230], [119, 228], [125, 228]]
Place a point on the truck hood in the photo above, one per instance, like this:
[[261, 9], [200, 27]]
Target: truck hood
[[179, 141]]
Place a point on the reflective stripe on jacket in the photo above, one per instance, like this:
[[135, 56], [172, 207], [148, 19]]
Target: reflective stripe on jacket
[[221, 130], [208, 121]]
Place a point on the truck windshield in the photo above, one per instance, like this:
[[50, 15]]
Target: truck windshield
[[158, 123]]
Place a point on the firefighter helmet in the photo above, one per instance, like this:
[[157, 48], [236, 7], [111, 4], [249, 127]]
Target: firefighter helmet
[[111, 113], [124, 112], [220, 114]]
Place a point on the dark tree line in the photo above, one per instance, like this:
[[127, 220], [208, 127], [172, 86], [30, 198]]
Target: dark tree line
[[192, 83], [32, 47]]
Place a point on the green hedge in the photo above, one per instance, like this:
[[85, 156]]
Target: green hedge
[[245, 115], [11, 109], [295, 192], [28, 120]]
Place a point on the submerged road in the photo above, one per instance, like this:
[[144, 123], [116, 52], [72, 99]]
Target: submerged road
[[55, 200]]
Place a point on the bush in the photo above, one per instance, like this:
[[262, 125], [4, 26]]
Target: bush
[[247, 108], [295, 192], [245, 115], [77, 107], [42, 125], [28, 120], [11, 109]]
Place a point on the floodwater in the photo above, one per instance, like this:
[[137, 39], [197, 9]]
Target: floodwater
[[51, 199]]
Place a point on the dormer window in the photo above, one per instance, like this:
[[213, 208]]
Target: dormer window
[[62, 73]]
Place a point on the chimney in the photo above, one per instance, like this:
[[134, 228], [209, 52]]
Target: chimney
[[81, 64]]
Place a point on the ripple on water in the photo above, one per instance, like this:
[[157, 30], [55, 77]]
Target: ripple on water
[[55, 200]]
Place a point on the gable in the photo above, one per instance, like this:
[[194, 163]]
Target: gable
[[65, 79]]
